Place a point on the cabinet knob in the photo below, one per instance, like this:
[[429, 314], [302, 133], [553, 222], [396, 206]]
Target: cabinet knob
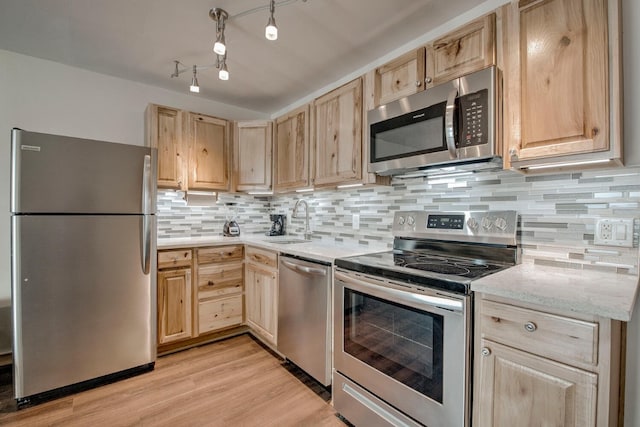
[[209, 283], [530, 327], [418, 83], [428, 80], [485, 351]]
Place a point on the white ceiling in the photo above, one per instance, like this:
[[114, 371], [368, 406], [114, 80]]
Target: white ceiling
[[320, 41]]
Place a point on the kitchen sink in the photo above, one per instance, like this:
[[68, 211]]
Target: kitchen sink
[[289, 242]]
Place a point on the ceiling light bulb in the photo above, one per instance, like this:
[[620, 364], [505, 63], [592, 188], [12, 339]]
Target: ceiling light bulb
[[220, 47], [223, 74], [271, 31], [194, 82]]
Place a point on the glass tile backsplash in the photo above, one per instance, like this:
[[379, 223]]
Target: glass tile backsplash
[[557, 212]]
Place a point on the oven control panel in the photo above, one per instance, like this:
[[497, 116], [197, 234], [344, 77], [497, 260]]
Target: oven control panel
[[498, 227]]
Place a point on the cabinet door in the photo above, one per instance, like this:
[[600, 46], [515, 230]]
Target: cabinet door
[[209, 153], [163, 130], [471, 48], [514, 388], [261, 298], [400, 77], [253, 148], [174, 305], [556, 78], [338, 135], [292, 151]]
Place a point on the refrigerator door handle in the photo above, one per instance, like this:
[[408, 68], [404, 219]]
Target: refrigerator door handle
[[146, 210]]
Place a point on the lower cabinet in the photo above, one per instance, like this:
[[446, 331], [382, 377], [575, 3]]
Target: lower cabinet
[[261, 293], [540, 367], [192, 306], [174, 305]]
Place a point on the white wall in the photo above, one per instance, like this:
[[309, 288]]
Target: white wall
[[45, 96], [631, 69]]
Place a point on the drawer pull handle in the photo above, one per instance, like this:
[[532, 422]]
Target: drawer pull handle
[[485, 351], [530, 327]]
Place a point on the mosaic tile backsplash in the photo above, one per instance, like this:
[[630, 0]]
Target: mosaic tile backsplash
[[558, 212]]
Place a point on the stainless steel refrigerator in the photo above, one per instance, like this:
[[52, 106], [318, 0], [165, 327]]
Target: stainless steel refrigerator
[[83, 264]]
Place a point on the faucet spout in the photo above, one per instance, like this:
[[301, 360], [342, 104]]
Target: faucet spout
[[307, 231]]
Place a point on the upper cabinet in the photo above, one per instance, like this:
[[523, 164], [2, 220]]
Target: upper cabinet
[[562, 82], [338, 135], [163, 130], [209, 152], [467, 49], [292, 150], [193, 149], [401, 77], [253, 155]]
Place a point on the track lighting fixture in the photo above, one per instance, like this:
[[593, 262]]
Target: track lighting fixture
[[194, 82], [271, 31], [220, 16]]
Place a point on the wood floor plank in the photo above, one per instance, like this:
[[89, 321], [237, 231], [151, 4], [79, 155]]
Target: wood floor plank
[[235, 382]]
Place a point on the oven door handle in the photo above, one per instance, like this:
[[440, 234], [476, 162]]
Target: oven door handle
[[413, 299]]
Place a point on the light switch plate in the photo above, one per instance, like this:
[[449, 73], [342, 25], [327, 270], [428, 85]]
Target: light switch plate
[[614, 232], [356, 221]]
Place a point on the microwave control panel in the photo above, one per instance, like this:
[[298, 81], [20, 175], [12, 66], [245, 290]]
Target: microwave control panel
[[473, 119]]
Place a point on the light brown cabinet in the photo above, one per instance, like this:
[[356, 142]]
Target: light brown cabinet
[[209, 152], [292, 151], [467, 49], [193, 149], [338, 135], [261, 293], [252, 152], [163, 131], [174, 296], [562, 82], [219, 285], [536, 366]]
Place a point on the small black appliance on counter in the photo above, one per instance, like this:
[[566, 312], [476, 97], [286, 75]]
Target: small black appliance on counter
[[278, 225], [231, 228]]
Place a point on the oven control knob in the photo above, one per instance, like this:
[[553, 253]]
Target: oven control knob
[[401, 220], [472, 223], [486, 223], [411, 220], [501, 223]]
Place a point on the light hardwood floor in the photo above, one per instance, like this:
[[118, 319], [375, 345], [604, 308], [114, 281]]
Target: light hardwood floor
[[235, 382]]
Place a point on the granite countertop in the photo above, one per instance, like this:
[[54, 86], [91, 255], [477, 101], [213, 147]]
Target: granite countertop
[[313, 249], [583, 291]]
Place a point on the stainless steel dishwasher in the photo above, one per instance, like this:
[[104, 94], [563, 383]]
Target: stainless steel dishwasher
[[304, 315]]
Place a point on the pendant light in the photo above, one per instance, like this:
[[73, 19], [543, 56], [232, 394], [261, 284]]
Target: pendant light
[[220, 16], [271, 31], [194, 82]]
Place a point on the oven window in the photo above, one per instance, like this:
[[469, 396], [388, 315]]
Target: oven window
[[399, 341]]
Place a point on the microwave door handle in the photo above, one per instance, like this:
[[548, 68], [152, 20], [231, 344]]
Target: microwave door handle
[[448, 123]]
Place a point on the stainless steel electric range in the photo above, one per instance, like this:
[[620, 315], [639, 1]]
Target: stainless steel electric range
[[402, 319]]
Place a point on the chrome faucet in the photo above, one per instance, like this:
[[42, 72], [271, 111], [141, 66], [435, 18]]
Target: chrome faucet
[[307, 231]]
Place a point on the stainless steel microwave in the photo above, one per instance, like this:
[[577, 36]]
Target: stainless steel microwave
[[452, 124]]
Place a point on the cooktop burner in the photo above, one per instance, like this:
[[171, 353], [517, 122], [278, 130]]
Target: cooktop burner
[[444, 250]]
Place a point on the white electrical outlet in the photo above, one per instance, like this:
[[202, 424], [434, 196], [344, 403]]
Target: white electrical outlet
[[355, 222], [614, 232]]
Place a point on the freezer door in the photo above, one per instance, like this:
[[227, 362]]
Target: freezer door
[[83, 306], [57, 174]]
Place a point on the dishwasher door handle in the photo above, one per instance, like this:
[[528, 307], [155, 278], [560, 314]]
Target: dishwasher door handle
[[305, 269]]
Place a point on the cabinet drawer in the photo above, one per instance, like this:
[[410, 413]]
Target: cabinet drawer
[[548, 335], [174, 258], [261, 256], [219, 313], [219, 279], [220, 254]]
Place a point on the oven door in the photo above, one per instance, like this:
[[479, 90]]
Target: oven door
[[408, 347]]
